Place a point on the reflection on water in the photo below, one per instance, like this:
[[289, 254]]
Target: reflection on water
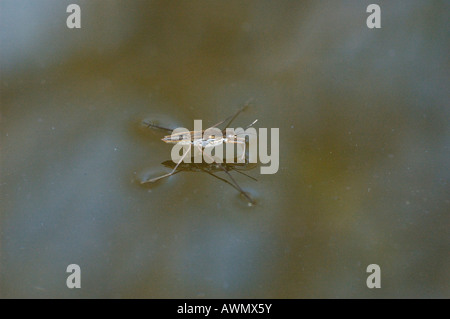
[[364, 146], [212, 169]]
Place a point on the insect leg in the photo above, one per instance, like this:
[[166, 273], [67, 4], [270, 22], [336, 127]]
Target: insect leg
[[232, 179], [168, 174], [149, 181], [232, 117], [222, 179], [245, 175], [149, 124]]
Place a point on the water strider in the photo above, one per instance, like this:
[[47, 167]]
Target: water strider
[[198, 140]]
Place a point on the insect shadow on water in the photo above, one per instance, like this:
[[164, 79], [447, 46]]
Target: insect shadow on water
[[201, 144]]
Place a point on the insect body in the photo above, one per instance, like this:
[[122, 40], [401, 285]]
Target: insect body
[[201, 141]]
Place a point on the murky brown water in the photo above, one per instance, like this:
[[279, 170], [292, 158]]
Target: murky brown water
[[364, 164]]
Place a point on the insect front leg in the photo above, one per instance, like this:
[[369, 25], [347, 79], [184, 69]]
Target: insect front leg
[[168, 174]]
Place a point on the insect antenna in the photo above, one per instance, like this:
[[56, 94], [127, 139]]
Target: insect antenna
[[251, 124]]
